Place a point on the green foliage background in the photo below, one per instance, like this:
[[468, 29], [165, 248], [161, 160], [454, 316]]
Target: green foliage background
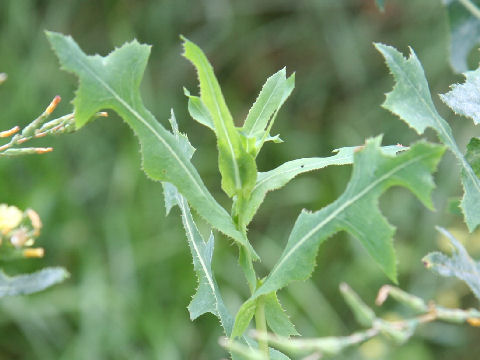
[[132, 274]]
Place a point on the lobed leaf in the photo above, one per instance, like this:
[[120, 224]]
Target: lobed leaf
[[237, 166], [280, 176], [410, 99], [459, 265], [31, 283], [112, 82], [464, 22], [356, 212], [464, 99]]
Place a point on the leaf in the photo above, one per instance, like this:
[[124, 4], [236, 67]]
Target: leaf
[[112, 82], [459, 265], [31, 283], [207, 297], [410, 99], [261, 116], [464, 99], [356, 212], [473, 155], [464, 22], [280, 176], [277, 320], [237, 166], [198, 111]]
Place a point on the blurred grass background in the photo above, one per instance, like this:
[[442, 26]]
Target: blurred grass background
[[132, 275]]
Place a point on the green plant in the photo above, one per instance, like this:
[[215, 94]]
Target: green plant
[[112, 82], [104, 220]]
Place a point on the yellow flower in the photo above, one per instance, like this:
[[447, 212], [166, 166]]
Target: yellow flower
[[10, 218]]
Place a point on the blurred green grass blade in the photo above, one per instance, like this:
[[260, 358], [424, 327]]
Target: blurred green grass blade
[[31, 283], [464, 25], [112, 82], [282, 175], [237, 167], [274, 93], [362, 313], [356, 211], [410, 99], [464, 99], [459, 265]]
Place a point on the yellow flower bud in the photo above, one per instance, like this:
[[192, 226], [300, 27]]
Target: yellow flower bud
[[10, 218]]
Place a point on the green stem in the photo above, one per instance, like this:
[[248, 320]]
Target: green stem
[[261, 326], [244, 258], [470, 6]]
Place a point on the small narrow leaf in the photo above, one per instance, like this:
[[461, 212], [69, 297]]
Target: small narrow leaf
[[198, 111], [464, 22], [280, 176], [237, 166], [274, 93], [31, 283], [410, 99], [112, 82], [277, 320], [459, 265], [356, 212], [464, 99], [207, 298]]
